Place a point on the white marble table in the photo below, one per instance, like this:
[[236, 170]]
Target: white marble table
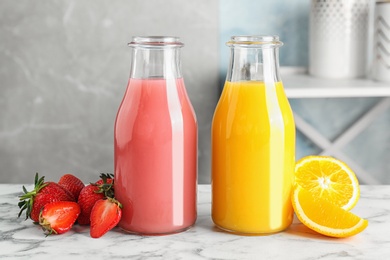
[[21, 239]]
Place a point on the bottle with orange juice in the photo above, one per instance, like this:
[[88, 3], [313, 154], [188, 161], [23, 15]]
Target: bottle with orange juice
[[253, 142]]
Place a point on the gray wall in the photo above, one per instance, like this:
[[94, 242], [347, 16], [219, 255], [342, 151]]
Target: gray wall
[[64, 67]]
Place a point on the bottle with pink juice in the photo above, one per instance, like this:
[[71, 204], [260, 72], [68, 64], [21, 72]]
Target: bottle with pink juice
[[155, 141]]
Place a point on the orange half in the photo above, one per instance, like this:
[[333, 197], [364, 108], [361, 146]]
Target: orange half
[[325, 217], [328, 178]]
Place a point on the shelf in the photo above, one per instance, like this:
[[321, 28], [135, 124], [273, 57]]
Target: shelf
[[299, 84]]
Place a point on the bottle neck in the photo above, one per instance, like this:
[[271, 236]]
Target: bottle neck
[[155, 63], [254, 59]]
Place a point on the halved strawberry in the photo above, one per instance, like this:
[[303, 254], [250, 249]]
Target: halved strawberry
[[42, 194], [105, 215], [71, 183], [58, 217]]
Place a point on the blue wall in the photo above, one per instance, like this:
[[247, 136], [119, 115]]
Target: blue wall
[[331, 117], [288, 19]]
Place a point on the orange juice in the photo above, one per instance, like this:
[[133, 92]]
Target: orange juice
[[253, 157]]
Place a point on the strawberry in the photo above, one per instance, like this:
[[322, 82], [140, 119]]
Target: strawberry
[[42, 194], [71, 183], [58, 217], [87, 198], [103, 188], [105, 215]]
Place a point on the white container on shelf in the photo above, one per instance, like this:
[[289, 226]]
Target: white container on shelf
[[381, 59], [338, 38]]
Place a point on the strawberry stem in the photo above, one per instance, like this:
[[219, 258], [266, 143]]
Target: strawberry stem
[[115, 201], [107, 188], [27, 199]]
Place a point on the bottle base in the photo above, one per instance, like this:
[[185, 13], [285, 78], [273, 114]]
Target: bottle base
[[140, 233], [261, 233]]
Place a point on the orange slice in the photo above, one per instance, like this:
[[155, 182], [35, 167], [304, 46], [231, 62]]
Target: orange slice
[[325, 217], [328, 178]]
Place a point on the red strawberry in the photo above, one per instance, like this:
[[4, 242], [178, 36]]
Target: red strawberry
[[105, 215], [92, 193], [87, 198], [58, 217], [71, 183], [42, 194]]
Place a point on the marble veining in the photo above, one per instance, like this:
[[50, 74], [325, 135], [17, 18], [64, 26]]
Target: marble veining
[[21, 239]]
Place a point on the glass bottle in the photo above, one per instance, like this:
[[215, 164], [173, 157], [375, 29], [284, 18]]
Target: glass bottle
[[155, 156], [253, 142]]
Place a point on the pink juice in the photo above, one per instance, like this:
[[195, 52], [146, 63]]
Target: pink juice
[[156, 157]]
